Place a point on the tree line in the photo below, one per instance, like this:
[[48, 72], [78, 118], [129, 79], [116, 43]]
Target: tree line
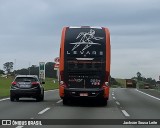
[[137, 78], [149, 80], [32, 70]]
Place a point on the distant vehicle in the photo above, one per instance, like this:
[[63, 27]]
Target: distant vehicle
[[84, 63], [26, 86], [146, 86]]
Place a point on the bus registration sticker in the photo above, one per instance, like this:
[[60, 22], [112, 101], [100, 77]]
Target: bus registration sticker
[[83, 94]]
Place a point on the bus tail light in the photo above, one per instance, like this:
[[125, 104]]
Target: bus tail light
[[61, 89], [106, 89], [106, 83], [62, 84]]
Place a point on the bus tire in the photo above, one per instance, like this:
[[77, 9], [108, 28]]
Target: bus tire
[[65, 101], [104, 102]]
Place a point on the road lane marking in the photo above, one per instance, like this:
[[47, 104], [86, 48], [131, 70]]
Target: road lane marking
[[148, 95], [4, 99], [117, 103], [125, 113], [114, 97], [112, 94], [59, 101], [19, 127], [43, 111], [51, 90]]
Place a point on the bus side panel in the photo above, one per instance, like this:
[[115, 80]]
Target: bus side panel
[[61, 91], [61, 66], [106, 93], [108, 51], [108, 61]]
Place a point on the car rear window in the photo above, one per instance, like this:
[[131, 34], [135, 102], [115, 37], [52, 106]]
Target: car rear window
[[25, 79]]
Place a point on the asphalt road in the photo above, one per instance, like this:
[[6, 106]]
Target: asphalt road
[[123, 104]]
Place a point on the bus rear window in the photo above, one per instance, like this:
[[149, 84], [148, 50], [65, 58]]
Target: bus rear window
[[84, 65]]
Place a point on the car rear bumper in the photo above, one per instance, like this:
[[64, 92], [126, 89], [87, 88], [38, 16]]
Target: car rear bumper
[[84, 93], [25, 92]]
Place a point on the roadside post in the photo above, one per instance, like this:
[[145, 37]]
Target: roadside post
[[56, 66], [42, 71]]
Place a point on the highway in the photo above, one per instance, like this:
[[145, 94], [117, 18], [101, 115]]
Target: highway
[[123, 104]]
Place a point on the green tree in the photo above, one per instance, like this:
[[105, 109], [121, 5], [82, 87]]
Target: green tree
[[1, 71], [113, 81], [8, 66], [49, 69], [34, 70], [139, 76]]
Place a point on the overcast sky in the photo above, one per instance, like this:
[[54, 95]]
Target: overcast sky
[[30, 31]]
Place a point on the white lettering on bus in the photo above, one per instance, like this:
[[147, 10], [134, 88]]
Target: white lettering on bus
[[85, 53]]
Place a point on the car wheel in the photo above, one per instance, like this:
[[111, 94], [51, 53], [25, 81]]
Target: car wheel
[[17, 98], [40, 98], [12, 98]]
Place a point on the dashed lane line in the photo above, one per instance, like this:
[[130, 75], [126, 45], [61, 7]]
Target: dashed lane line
[[43, 111], [117, 103], [19, 127], [125, 113], [114, 98], [59, 101]]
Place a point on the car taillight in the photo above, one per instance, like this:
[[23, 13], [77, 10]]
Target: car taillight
[[14, 83], [35, 83]]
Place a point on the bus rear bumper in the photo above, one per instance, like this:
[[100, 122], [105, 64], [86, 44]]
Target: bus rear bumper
[[84, 93]]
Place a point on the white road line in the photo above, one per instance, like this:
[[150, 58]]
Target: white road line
[[19, 127], [59, 101], [51, 90], [117, 103], [148, 95], [125, 113], [114, 97], [43, 111], [4, 99], [112, 94]]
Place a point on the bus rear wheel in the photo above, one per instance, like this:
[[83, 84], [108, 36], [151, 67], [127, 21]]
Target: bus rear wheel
[[104, 102], [65, 101]]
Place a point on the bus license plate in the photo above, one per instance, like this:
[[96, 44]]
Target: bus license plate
[[83, 94]]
